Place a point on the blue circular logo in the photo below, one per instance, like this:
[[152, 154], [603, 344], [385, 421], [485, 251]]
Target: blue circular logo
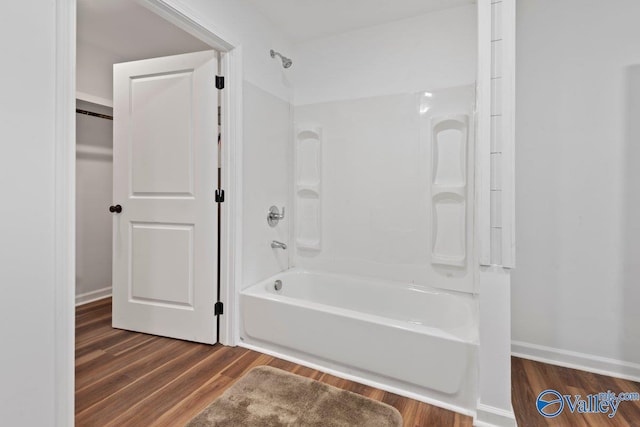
[[547, 401]]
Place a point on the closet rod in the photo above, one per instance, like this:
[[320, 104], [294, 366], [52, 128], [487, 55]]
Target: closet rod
[[91, 113]]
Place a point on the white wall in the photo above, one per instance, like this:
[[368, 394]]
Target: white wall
[[27, 42], [266, 167], [94, 193], [94, 70], [578, 201], [364, 88], [432, 51]]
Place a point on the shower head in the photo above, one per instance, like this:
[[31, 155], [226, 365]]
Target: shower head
[[286, 62]]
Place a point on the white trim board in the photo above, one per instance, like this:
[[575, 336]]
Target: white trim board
[[232, 177], [92, 296], [64, 212], [508, 166], [575, 360], [188, 20], [489, 416], [483, 136]]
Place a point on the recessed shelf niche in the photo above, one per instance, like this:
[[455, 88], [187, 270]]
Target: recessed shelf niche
[[449, 141], [308, 180]]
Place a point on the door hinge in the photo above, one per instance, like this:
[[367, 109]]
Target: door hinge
[[218, 308], [219, 82], [219, 195]]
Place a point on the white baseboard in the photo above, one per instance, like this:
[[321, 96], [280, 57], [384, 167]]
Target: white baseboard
[[88, 297], [582, 361], [489, 416]]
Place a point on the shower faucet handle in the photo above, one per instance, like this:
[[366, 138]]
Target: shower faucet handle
[[274, 216]]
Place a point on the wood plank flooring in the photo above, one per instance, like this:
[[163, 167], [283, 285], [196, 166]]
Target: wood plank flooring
[[130, 379], [529, 378]]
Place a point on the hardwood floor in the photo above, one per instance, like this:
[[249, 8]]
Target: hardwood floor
[[529, 378], [130, 379]]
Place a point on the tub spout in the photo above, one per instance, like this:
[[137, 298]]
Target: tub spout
[[278, 245]]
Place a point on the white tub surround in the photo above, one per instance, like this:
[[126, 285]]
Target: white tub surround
[[395, 178], [410, 339]]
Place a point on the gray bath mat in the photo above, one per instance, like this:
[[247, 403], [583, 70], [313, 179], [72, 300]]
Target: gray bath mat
[[270, 397]]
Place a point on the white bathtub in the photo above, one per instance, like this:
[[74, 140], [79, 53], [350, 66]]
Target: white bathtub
[[404, 338]]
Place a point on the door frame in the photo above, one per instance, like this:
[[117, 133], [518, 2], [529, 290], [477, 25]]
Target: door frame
[[65, 182]]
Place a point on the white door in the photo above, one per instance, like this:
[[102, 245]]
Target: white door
[[165, 162]]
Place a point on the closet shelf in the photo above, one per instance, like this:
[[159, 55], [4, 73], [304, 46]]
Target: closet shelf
[[83, 96]]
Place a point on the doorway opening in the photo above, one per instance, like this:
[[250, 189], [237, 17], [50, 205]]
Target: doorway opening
[[125, 31]]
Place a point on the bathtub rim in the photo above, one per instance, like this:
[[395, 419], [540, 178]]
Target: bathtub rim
[[471, 297]]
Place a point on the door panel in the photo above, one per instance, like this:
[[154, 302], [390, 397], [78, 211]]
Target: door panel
[[162, 148], [165, 174], [162, 264]]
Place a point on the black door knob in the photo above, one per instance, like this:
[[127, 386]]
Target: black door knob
[[116, 209]]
